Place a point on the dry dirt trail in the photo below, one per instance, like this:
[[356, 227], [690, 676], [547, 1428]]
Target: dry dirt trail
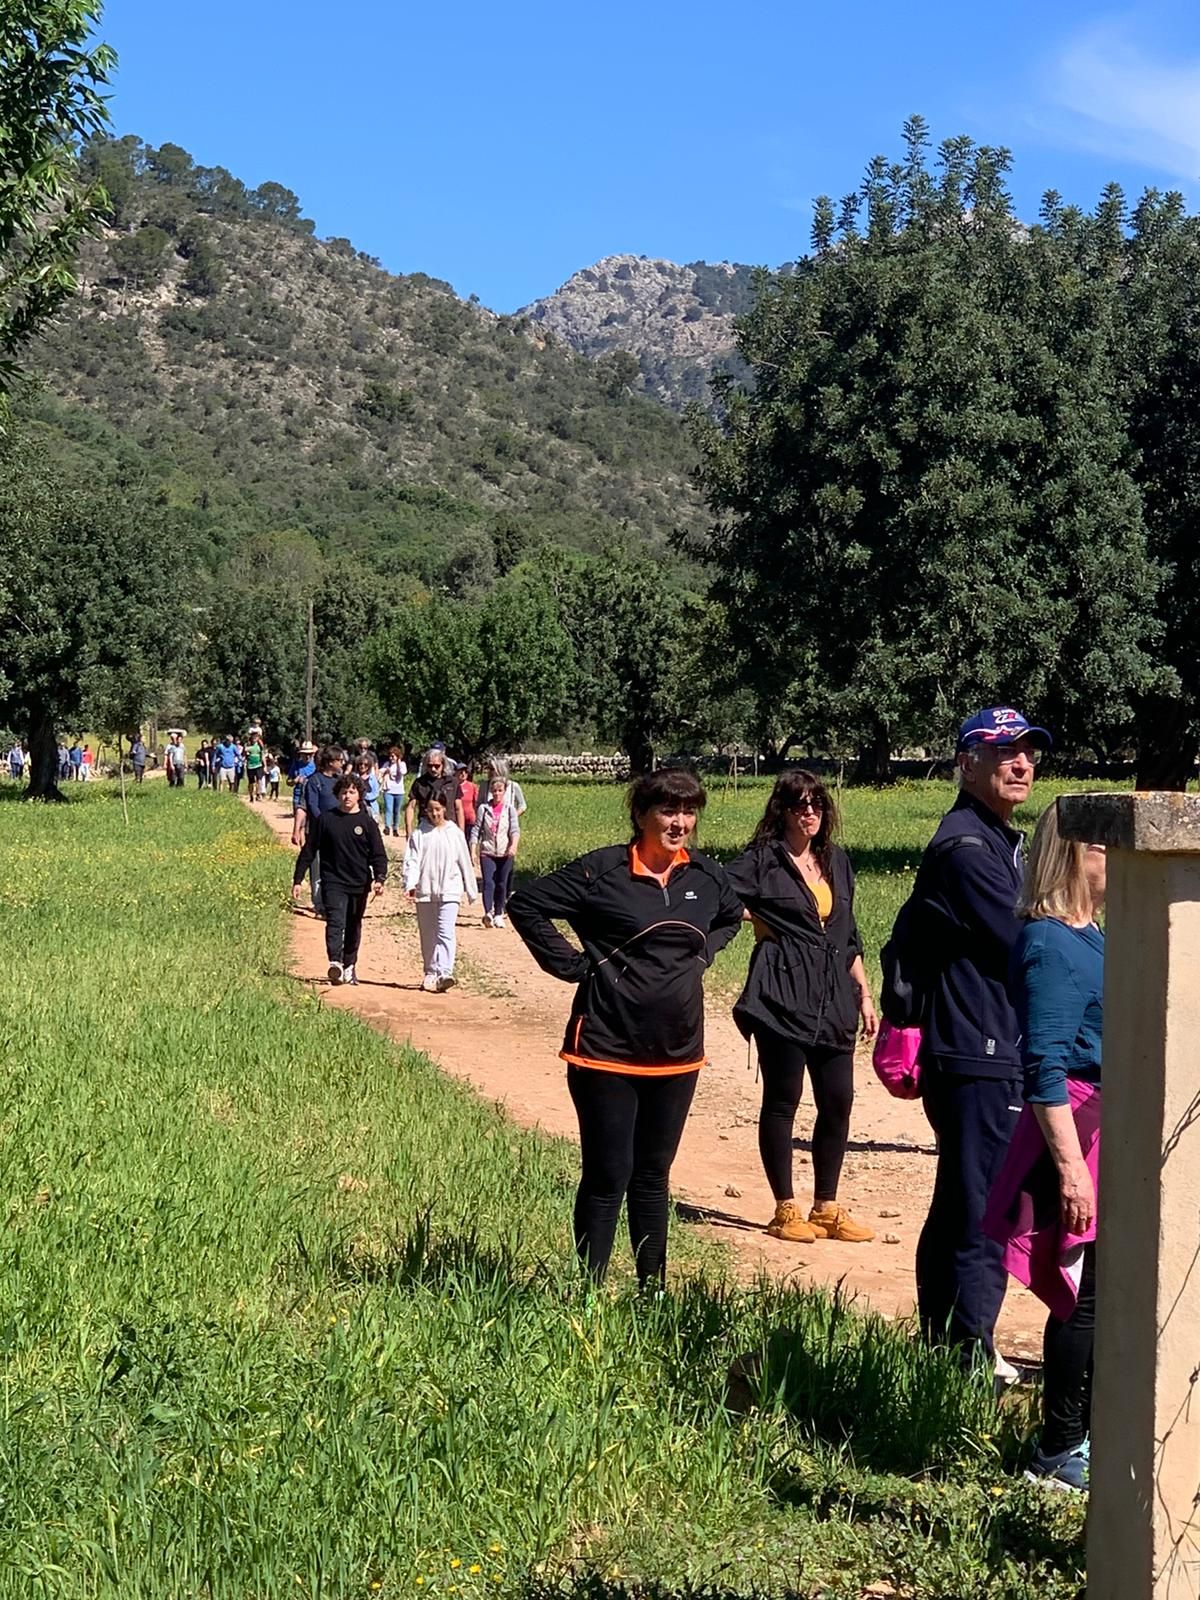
[[500, 1030]]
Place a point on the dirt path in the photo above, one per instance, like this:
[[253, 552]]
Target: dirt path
[[500, 1030]]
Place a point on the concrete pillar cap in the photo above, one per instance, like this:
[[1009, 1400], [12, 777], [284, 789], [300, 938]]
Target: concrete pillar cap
[[1160, 821]]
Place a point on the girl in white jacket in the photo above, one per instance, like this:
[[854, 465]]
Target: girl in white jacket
[[437, 874]]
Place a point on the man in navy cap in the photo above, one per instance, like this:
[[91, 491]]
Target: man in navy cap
[[966, 894]]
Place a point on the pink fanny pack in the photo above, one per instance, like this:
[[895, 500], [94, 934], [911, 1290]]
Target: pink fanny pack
[[895, 1060]]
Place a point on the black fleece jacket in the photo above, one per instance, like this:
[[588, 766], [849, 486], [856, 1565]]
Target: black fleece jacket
[[639, 1006], [351, 849]]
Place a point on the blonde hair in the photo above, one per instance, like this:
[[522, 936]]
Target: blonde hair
[[1055, 880]]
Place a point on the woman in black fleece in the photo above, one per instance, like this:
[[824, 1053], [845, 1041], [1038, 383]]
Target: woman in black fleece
[[353, 866]]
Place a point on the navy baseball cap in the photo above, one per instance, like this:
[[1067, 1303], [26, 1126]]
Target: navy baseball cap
[[1000, 725]]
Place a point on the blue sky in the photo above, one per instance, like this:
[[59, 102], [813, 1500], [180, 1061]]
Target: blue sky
[[504, 146]]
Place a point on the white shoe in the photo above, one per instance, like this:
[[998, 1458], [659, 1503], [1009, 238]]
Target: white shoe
[[1006, 1373], [445, 983], [499, 922], [430, 984], [349, 975], [488, 920], [335, 972]]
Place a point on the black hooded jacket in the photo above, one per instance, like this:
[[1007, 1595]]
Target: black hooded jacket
[[799, 984]]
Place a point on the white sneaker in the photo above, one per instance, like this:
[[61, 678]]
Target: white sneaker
[[499, 922], [488, 921], [445, 983], [349, 975], [335, 972], [429, 983], [1006, 1373]]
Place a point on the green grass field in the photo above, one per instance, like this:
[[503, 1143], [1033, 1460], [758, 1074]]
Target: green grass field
[[286, 1313]]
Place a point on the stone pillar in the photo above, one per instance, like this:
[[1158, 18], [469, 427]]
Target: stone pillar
[[1143, 1518]]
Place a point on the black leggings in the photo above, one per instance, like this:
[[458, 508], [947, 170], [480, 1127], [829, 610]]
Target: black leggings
[[782, 1064], [1067, 1374], [629, 1130]]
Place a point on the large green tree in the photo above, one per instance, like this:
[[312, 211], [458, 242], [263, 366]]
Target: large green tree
[[922, 499], [479, 674], [94, 606], [51, 78]]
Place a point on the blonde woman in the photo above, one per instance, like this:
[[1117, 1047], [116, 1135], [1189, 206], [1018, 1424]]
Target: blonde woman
[[1043, 1205]]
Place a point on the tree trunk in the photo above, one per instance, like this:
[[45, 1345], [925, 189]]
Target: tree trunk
[[640, 752], [43, 760], [1166, 745], [874, 765]]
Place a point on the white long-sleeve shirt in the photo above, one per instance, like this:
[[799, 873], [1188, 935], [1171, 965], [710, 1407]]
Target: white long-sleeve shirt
[[437, 864]]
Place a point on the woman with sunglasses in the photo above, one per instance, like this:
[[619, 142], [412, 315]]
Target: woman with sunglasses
[[805, 997]]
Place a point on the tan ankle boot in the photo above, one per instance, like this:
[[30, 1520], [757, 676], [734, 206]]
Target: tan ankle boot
[[831, 1221], [788, 1223]]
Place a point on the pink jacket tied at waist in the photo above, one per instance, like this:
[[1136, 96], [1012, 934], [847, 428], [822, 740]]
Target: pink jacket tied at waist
[[1024, 1211]]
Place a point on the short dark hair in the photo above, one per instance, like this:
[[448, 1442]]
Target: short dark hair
[[669, 786], [329, 755], [790, 788], [345, 783]]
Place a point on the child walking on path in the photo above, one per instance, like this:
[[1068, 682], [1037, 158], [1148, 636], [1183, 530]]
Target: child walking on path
[[437, 874], [353, 867]]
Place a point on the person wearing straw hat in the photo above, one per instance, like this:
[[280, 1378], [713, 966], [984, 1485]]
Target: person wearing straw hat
[[302, 768]]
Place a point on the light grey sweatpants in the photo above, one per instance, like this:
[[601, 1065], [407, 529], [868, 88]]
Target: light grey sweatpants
[[435, 923]]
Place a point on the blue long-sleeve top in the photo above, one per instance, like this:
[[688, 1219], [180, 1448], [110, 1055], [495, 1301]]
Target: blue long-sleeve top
[[1056, 982]]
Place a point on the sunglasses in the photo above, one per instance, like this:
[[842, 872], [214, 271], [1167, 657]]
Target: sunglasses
[[810, 802]]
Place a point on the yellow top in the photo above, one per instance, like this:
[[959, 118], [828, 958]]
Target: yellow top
[[822, 893]]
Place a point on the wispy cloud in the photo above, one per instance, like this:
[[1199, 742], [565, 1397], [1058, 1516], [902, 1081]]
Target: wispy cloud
[[1109, 93]]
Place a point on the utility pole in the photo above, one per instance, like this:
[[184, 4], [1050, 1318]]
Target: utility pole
[[308, 681]]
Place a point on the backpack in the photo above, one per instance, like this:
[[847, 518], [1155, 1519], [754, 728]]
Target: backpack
[[910, 964]]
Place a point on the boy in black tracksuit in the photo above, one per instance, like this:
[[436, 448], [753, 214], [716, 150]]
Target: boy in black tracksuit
[[353, 866], [967, 890]]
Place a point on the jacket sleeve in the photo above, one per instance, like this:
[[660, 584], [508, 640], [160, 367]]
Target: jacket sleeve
[[312, 798], [743, 877], [312, 843], [533, 908], [728, 920], [854, 947], [379, 860], [981, 894], [1050, 1007], [412, 859], [467, 867]]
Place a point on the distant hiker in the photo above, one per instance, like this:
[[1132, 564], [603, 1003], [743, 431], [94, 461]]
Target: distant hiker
[[368, 779], [239, 765], [438, 874], [16, 761], [467, 795], [494, 838], [64, 762], [176, 759], [965, 900], [804, 997], [353, 867], [434, 782], [75, 756], [650, 915], [302, 768], [202, 765], [393, 774], [255, 766], [87, 762], [226, 763], [497, 767], [1042, 1212], [137, 756], [274, 775], [320, 797]]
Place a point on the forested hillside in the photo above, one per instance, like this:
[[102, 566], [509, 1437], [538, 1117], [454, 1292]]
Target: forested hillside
[[271, 380]]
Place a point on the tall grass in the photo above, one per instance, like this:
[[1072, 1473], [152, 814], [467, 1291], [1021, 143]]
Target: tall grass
[[286, 1312]]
